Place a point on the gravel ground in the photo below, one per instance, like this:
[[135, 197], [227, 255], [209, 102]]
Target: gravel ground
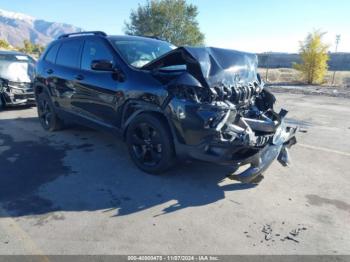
[[343, 92]]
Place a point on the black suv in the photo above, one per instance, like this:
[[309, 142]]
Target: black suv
[[166, 102]]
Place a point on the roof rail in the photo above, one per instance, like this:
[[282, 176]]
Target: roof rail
[[153, 37], [100, 33]]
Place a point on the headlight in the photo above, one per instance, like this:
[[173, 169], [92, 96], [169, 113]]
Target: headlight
[[16, 90]]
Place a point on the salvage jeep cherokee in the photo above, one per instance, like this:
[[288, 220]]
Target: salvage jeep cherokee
[[166, 102]]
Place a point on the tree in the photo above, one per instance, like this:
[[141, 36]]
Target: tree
[[172, 20], [314, 57], [4, 44], [30, 48], [38, 49], [27, 47]]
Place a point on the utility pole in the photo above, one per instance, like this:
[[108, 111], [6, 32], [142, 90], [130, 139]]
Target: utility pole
[[337, 40]]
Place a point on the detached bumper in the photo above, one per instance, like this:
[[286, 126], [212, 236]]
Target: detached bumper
[[264, 158], [258, 159]]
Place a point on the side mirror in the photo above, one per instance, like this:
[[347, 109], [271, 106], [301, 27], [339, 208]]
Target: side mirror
[[102, 65]]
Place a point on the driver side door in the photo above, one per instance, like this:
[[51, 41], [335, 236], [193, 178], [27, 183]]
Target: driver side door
[[95, 96]]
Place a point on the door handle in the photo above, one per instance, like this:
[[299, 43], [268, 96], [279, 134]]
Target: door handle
[[79, 77], [49, 71]]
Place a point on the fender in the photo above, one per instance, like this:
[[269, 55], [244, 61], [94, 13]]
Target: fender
[[38, 86], [138, 107], [132, 108]]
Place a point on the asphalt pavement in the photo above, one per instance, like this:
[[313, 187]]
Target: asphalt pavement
[[77, 192]]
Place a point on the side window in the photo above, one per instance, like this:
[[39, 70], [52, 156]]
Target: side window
[[69, 53], [94, 50], [52, 53]]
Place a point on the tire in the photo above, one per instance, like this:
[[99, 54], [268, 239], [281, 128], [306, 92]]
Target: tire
[[2, 103], [46, 113], [150, 144]]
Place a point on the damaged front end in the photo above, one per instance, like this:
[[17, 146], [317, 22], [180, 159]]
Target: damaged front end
[[16, 93], [16, 78], [221, 111]]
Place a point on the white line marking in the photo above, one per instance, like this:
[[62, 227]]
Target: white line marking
[[325, 149]]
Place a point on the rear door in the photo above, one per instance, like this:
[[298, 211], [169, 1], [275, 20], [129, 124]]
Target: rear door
[[65, 72], [96, 91]]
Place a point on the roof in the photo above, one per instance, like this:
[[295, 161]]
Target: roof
[[103, 34]]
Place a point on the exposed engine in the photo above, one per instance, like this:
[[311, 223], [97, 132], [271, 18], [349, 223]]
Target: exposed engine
[[249, 116], [240, 95], [237, 94]]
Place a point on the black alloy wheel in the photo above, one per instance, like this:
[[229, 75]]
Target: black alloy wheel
[[149, 144], [46, 113]]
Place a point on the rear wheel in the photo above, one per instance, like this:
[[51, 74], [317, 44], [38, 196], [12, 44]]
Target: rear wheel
[[150, 144], [46, 112]]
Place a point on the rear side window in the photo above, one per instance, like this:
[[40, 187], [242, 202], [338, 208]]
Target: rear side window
[[52, 53], [94, 50], [69, 53]]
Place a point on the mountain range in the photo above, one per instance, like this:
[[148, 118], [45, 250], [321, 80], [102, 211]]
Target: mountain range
[[17, 27]]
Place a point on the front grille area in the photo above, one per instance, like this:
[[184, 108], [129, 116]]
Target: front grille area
[[20, 88], [23, 96], [263, 140]]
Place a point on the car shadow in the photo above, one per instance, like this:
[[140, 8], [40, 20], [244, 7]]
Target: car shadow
[[18, 107], [80, 169]]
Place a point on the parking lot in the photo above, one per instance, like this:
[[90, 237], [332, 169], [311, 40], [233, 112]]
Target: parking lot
[[77, 192]]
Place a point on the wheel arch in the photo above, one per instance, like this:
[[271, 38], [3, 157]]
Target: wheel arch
[[40, 87], [134, 108]]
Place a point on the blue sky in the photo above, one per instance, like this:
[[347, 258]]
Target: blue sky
[[250, 25]]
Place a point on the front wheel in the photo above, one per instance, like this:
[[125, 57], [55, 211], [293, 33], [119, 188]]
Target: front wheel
[[150, 144], [2, 103], [46, 112]]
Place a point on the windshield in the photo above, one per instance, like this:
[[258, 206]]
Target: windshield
[[17, 67], [141, 51]]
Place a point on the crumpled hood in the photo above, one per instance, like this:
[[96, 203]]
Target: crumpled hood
[[211, 66], [17, 71]]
